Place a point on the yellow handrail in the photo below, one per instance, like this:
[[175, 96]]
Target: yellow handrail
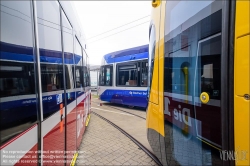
[[185, 71]]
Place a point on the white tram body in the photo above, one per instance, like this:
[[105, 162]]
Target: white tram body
[[44, 83]]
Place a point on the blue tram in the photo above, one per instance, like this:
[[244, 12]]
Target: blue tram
[[123, 77]]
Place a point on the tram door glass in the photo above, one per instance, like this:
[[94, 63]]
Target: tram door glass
[[18, 109], [51, 62], [68, 51], [48, 17], [191, 67], [87, 70], [85, 79], [107, 80], [70, 95], [151, 57], [106, 75], [79, 83], [80, 102], [144, 73]]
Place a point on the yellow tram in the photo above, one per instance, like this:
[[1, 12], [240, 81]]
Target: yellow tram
[[199, 89]]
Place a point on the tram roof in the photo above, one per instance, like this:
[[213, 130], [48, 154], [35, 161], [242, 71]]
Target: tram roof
[[126, 52]]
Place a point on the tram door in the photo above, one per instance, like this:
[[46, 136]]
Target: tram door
[[193, 108], [207, 98], [85, 79], [70, 120], [154, 90], [52, 80], [79, 85]]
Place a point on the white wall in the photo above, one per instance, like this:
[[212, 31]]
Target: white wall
[[93, 78]]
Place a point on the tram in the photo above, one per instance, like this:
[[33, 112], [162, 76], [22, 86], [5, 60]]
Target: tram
[[123, 77], [44, 83], [199, 90]]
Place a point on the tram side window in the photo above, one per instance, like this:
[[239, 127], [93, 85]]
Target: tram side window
[[88, 76], [88, 72], [78, 75], [209, 64], [85, 76], [101, 76], [127, 74], [79, 82], [52, 77], [144, 73], [67, 30], [177, 72], [85, 57], [67, 40], [151, 56], [105, 76], [15, 79], [16, 65], [49, 32], [48, 18]]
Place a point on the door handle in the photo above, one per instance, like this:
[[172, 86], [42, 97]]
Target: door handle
[[247, 97], [204, 97]]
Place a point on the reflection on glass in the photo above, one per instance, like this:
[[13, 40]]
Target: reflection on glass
[[192, 66], [18, 110], [144, 73], [151, 50], [49, 32]]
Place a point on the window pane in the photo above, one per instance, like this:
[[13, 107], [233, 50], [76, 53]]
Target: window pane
[[67, 40], [108, 75], [78, 53], [18, 110], [84, 58], [177, 72], [209, 67], [88, 74], [144, 73], [151, 56], [78, 68], [85, 68], [67, 46], [101, 76], [79, 77], [15, 79], [48, 17], [105, 75], [52, 77], [127, 75], [192, 66], [85, 76]]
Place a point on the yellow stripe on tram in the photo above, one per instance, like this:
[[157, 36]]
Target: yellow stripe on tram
[[88, 118], [73, 161]]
